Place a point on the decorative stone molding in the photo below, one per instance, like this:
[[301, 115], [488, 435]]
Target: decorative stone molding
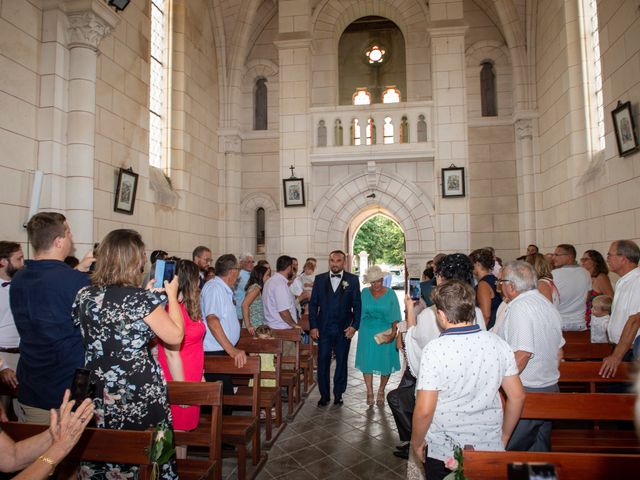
[[86, 29], [524, 129], [256, 200]]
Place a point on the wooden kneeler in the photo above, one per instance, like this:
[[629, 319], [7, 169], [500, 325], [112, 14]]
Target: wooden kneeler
[[290, 378], [238, 430], [269, 396]]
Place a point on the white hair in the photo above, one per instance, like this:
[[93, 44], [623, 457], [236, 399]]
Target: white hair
[[245, 256], [521, 275]]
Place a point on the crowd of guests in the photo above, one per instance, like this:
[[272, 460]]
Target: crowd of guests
[[479, 326]]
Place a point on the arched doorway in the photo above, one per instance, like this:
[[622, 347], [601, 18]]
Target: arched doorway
[[378, 220]]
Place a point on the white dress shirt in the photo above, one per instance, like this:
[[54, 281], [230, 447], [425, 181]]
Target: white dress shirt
[[626, 302]]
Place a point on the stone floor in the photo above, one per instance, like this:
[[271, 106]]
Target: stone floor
[[352, 441]]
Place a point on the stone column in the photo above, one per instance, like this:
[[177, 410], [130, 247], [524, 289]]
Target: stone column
[[86, 23], [231, 147], [525, 171], [294, 53], [447, 32]]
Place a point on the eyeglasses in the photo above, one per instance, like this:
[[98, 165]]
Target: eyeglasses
[[501, 281]]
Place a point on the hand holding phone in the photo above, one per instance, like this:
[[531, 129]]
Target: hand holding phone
[[164, 271], [82, 387], [414, 288]]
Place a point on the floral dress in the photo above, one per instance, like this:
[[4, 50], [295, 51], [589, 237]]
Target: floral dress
[[130, 391]]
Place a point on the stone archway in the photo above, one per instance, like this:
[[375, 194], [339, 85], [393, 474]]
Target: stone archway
[[398, 197]]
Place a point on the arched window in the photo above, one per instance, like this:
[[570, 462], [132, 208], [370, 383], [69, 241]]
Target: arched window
[[488, 90], [157, 86], [370, 132], [322, 134], [391, 95], [404, 130], [594, 73], [361, 97], [260, 105], [422, 129], [355, 132], [387, 131], [338, 132], [260, 230]]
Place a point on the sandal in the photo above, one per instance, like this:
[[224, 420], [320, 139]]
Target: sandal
[[369, 399], [380, 399]]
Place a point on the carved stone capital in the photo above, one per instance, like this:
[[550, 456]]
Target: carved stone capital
[[86, 29], [524, 129], [232, 143]]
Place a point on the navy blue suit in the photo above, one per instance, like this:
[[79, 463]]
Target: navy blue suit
[[331, 313]]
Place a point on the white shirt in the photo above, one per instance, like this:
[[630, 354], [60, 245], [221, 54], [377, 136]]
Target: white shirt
[[626, 302], [9, 337], [276, 298], [573, 284], [532, 324], [335, 281], [425, 330], [216, 299], [466, 368]]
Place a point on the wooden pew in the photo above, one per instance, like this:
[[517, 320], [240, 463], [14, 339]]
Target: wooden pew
[[306, 358], [98, 445], [569, 466], [581, 337], [269, 396], [586, 351], [208, 433], [587, 373], [238, 430], [585, 406], [290, 378]]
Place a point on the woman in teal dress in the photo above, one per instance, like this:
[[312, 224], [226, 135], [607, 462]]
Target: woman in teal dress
[[380, 312]]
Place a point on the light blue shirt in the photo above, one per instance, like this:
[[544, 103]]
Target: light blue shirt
[[217, 299], [238, 291]]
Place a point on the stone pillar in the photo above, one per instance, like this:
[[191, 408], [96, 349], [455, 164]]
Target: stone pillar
[[86, 23], [447, 32], [294, 53], [364, 265], [525, 172], [231, 147]]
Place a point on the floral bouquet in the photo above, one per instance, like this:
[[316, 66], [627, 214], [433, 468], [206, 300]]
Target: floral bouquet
[[162, 448], [456, 465]]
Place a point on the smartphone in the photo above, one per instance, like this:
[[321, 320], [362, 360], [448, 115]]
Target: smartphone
[[414, 288], [165, 270], [82, 387], [531, 471], [92, 267]]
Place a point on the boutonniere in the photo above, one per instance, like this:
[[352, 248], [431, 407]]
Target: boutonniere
[[345, 284]]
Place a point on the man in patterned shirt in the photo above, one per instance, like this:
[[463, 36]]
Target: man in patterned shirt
[[533, 329]]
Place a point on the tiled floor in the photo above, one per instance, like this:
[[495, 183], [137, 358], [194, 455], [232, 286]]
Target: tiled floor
[[353, 441]]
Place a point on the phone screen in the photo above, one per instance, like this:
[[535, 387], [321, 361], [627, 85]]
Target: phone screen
[[81, 387], [414, 288]]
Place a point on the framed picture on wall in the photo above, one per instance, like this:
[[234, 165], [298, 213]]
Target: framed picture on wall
[[293, 189], [625, 128], [453, 182], [126, 191]]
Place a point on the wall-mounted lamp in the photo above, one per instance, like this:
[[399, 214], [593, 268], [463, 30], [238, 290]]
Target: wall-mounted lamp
[[119, 5], [372, 195]]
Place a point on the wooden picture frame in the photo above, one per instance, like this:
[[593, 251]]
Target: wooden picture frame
[[625, 129], [293, 190], [453, 182], [126, 189]]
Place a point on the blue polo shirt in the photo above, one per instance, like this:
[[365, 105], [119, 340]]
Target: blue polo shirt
[[51, 349], [216, 299]]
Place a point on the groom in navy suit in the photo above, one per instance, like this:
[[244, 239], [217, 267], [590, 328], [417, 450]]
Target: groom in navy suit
[[334, 317]]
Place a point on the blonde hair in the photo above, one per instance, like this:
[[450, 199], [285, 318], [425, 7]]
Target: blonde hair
[[119, 259], [602, 301], [540, 265]]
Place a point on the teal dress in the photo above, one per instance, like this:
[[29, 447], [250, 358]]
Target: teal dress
[[377, 316]]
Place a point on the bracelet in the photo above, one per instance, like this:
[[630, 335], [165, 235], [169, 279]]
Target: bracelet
[[49, 462]]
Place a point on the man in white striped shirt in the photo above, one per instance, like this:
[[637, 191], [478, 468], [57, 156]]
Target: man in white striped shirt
[[532, 327]]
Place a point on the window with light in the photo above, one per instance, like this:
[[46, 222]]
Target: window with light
[[157, 84]]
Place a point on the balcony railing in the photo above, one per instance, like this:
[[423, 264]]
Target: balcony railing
[[335, 134]]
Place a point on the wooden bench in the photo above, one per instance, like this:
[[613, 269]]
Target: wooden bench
[[582, 337], [208, 434], [585, 406], [238, 430], [269, 396], [586, 351], [587, 374], [306, 358], [480, 465], [290, 377], [98, 445]]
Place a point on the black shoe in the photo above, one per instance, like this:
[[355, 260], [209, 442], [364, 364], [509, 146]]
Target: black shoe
[[323, 403], [404, 454], [404, 446], [338, 401]]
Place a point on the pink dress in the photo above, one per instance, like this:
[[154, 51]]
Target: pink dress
[[192, 355]]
